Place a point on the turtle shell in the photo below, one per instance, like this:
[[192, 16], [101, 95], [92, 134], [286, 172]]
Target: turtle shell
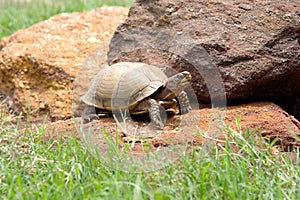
[[124, 85]]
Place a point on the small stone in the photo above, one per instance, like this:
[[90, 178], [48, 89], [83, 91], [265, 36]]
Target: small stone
[[246, 7], [21, 85], [93, 40]]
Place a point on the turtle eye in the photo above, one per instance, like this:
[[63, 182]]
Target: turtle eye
[[181, 77]]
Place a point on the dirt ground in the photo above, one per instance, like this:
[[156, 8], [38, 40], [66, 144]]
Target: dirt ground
[[182, 132]]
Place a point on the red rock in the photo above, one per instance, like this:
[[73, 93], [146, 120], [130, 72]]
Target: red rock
[[268, 119], [39, 65], [252, 45]]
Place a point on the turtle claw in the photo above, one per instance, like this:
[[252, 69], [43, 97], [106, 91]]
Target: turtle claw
[[185, 109], [89, 114], [89, 118], [157, 125]]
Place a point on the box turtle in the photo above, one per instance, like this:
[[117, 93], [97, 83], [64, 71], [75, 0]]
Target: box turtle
[[138, 88]]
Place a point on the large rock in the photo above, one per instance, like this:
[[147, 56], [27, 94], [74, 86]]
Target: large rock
[[263, 118], [39, 65], [250, 49]]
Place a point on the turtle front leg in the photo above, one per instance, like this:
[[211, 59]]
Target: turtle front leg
[[154, 113], [89, 114], [184, 103]]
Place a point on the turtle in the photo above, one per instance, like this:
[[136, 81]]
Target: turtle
[[138, 88]]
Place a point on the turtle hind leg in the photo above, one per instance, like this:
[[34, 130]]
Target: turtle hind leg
[[184, 104], [89, 114], [154, 111]]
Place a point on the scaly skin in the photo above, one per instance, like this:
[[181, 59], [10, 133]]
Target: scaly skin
[[184, 103], [154, 114]]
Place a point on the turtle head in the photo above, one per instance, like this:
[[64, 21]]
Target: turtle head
[[179, 81], [175, 84]]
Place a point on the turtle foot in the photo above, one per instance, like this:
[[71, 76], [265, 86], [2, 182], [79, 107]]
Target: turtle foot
[[89, 118], [184, 103], [185, 109], [158, 125], [89, 114]]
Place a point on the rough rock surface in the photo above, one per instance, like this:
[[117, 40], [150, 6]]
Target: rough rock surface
[[39, 65], [254, 45], [265, 118]]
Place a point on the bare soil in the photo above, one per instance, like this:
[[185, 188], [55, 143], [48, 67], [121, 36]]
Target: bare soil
[[267, 119]]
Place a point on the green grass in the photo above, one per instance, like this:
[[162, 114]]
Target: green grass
[[15, 16], [32, 169]]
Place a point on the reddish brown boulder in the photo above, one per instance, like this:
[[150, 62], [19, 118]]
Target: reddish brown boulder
[[39, 65], [254, 45], [263, 118]]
